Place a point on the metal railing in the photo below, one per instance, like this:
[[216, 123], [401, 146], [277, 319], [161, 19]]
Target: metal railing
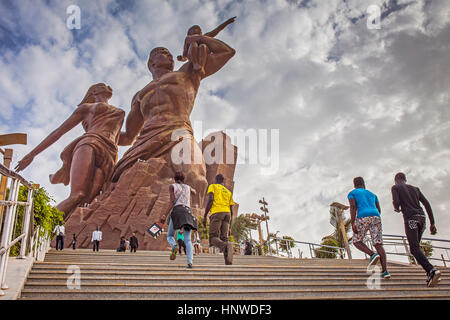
[[313, 247], [8, 221], [39, 244], [400, 240], [388, 240]]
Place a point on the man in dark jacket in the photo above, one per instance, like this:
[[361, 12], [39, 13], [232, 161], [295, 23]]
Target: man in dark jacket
[[406, 199], [248, 248], [121, 247], [133, 243]]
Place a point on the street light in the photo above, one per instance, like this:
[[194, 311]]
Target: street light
[[266, 211]]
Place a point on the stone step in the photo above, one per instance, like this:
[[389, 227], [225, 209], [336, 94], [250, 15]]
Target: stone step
[[218, 278], [234, 274], [177, 264], [151, 275], [230, 270], [221, 294], [248, 284]]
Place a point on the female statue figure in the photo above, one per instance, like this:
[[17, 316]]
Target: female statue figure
[[89, 160]]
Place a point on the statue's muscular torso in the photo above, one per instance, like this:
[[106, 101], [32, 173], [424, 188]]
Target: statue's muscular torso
[[169, 98]]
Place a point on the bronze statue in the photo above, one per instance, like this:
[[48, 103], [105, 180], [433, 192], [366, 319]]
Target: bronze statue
[[89, 160], [164, 106]]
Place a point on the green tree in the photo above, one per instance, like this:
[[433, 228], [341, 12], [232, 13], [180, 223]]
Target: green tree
[[203, 232], [337, 232], [45, 214], [241, 228], [286, 245], [325, 252], [427, 248]]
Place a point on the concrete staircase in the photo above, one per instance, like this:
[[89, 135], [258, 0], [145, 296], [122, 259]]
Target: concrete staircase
[[150, 275]]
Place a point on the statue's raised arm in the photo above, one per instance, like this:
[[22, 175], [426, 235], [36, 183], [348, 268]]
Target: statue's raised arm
[[213, 54]]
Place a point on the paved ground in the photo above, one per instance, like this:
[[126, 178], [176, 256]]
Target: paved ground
[[16, 275]]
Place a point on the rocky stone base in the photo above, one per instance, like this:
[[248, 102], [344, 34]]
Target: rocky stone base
[[138, 199]]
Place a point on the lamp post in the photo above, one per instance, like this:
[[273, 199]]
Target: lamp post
[[276, 241], [266, 211]]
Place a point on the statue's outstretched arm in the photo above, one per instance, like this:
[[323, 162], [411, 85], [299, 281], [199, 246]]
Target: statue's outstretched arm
[[77, 116], [133, 124], [214, 32]]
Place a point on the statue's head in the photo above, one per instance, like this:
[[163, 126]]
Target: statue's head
[[194, 30], [95, 90], [160, 58]]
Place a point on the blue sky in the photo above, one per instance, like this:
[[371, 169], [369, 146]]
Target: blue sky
[[349, 101]]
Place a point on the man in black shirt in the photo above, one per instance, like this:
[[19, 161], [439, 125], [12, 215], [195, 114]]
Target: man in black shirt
[[407, 198]]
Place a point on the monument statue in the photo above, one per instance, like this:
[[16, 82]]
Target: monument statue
[[164, 106], [158, 128], [89, 160]]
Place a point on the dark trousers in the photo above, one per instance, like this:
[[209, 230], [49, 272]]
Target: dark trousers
[[181, 244], [218, 229], [133, 249], [96, 245], [414, 228], [59, 242]]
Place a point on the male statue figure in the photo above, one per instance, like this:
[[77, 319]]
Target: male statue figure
[[163, 107]]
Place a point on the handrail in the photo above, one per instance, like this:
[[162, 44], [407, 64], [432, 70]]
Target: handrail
[[393, 237], [10, 203], [387, 239], [9, 223], [311, 243], [404, 237], [11, 174], [4, 249]]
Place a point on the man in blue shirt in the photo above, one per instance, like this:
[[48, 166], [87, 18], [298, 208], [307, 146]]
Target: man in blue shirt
[[365, 214]]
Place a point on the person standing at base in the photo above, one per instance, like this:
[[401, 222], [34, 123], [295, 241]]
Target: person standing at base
[[180, 241], [406, 199], [122, 245], [365, 215], [96, 238], [60, 232], [248, 251], [220, 203], [196, 243], [133, 242], [74, 241]]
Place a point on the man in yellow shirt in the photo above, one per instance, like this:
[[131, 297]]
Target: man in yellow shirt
[[220, 202]]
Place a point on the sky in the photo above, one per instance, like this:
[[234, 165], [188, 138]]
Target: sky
[[348, 100]]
